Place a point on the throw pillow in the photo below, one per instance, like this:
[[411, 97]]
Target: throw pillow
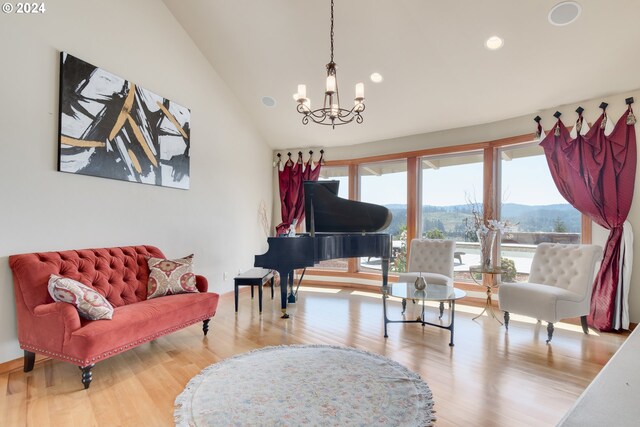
[[89, 303], [170, 277]]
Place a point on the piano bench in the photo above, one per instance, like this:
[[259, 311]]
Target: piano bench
[[254, 277]]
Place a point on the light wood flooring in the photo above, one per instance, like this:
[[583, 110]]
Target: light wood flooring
[[490, 378]]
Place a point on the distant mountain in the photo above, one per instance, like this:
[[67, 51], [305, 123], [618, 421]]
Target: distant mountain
[[528, 218], [396, 206], [514, 209]]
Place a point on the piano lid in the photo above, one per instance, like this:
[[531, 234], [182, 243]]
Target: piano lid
[[325, 212]]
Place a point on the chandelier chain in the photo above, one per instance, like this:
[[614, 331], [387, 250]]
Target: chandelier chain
[[331, 30], [331, 113]]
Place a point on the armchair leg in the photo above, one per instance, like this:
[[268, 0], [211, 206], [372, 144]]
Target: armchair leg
[[29, 360], [506, 320], [205, 326], [441, 310], [585, 326], [86, 375], [549, 332]]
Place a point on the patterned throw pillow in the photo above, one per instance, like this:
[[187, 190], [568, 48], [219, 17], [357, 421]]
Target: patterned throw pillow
[[90, 304], [170, 277]]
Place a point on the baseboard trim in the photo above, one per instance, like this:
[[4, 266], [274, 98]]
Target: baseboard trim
[[18, 364]]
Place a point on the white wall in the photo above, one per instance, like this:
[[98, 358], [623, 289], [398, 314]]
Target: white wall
[[497, 130], [42, 209]]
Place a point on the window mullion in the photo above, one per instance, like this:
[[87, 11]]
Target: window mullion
[[412, 200]]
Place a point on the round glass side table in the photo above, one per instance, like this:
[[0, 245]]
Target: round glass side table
[[432, 292]]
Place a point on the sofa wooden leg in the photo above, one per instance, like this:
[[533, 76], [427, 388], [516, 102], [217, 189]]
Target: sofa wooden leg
[[506, 320], [205, 326], [585, 326], [86, 375], [549, 332], [29, 360]]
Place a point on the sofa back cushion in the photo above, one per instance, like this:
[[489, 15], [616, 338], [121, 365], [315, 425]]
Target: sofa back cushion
[[118, 274]]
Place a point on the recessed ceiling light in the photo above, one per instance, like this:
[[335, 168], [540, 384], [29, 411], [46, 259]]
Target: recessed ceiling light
[[268, 101], [564, 13], [494, 43], [376, 77]]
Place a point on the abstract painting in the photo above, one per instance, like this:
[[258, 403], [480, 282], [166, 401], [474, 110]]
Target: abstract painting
[[113, 128]]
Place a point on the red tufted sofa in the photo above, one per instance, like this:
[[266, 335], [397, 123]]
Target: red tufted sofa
[[120, 274]]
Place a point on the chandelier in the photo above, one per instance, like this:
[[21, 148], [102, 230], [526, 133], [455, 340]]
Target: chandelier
[[331, 113]]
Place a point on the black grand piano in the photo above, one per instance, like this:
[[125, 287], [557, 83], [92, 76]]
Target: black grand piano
[[337, 228]]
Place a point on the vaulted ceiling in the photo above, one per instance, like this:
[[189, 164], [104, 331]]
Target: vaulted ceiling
[[437, 72]]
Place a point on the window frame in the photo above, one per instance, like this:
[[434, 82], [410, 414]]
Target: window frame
[[346, 169], [490, 200], [420, 188], [360, 175], [585, 224], [419, 206]]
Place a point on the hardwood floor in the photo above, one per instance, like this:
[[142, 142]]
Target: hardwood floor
[[490, 378]]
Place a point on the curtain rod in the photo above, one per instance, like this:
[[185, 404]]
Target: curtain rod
[[603, 105]]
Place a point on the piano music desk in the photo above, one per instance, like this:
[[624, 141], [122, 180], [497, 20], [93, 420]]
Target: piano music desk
[[254, 277]]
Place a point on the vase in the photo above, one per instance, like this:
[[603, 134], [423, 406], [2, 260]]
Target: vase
[[487, 240]]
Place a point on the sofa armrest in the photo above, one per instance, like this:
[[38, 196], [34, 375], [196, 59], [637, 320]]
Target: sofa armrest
[[202, 284], [51, 325]]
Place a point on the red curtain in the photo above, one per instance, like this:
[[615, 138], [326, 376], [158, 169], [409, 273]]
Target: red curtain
[[596, 174], [291, 179]]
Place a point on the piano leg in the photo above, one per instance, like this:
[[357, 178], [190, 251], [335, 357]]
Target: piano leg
[[385, 271], [384, 311], [292, 283], [385, 278], [284, 288]]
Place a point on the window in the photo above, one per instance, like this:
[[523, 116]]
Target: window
[[338, 173], [531, 203], [449, 185], [385, 183]]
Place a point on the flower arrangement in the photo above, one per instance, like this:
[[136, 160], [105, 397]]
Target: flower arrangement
[[486, 232], [477, 222], [501, 226]]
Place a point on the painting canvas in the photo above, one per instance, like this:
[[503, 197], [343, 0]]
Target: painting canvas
[[113, 128]]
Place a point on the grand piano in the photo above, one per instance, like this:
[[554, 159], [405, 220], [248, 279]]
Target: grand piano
[[337, 228]]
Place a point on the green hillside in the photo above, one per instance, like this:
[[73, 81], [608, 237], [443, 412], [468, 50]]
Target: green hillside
[[527, 218]]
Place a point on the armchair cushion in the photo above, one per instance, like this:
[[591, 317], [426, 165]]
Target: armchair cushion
[[567, 266], [543, 302], [432, 255], [560, 285]]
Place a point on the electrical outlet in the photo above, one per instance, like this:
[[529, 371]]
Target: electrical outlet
[[225, 276]]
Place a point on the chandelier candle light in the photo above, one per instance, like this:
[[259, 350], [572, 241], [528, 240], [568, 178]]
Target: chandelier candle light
[[331, 113]]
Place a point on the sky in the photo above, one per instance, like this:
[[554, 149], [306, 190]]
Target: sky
[[525, 181]]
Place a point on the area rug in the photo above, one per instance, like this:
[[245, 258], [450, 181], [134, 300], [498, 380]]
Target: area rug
[[308, 385]]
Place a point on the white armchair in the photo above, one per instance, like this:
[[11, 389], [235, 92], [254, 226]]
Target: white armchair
[[433, 259], [559, 287]]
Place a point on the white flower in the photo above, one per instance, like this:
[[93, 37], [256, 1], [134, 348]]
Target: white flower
[[498, 225]]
